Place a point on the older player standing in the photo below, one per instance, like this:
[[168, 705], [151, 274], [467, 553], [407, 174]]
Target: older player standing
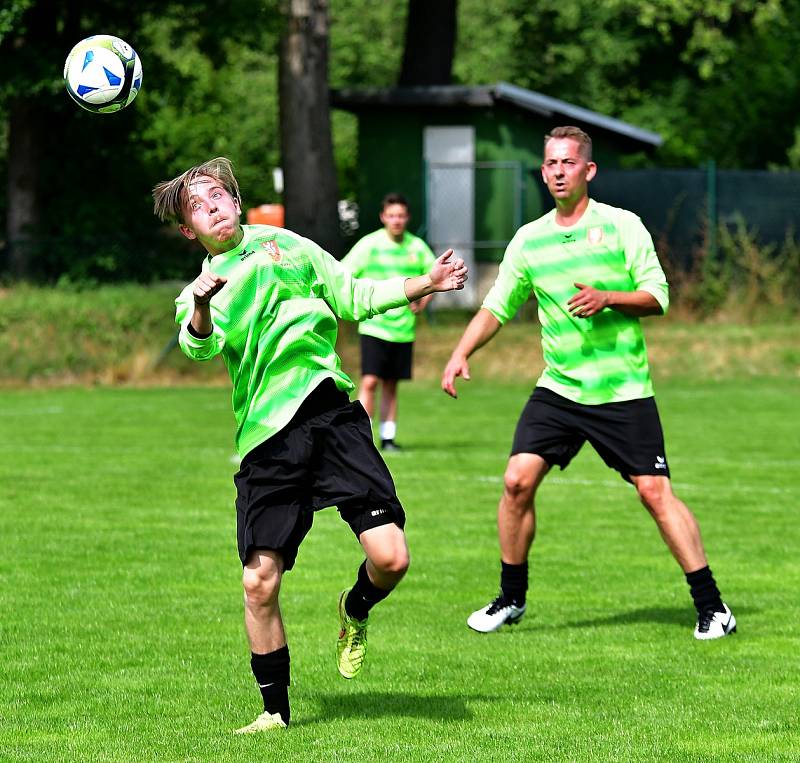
[[594, 272]]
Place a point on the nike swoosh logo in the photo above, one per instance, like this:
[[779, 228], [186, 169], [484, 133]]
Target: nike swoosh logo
[[264, 686]]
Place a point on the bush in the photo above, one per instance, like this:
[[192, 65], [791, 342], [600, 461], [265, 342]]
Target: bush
[[743, 278]]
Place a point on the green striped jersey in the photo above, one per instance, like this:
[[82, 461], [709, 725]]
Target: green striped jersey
[[275, 324], [601, 359], [377, 256]]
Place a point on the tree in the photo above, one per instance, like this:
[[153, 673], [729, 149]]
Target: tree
[[430, 43], [27, 120], [77, 186], [310, 185]]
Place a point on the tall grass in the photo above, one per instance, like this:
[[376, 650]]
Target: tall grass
[[125, 333], [743, 278]]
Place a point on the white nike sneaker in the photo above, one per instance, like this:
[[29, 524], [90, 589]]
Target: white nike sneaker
[[494, 615], [715, 624]]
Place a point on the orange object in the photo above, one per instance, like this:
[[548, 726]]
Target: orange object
[[266, 214]]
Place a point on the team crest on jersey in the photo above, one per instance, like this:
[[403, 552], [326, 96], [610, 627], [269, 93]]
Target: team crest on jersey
[[595, 235], [271, 248]]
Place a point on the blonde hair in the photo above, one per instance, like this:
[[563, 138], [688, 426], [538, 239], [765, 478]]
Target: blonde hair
[[574, 133], [170, 196]]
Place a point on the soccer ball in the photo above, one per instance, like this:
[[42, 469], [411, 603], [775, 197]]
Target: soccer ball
[[103, 74]]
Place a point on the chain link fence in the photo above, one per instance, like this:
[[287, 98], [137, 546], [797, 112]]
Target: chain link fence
[[682, 208]]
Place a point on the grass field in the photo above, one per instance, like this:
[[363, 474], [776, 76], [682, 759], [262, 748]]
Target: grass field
[[121, 635]]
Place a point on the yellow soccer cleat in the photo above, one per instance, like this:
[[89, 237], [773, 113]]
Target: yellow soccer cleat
[[265, 722], [351, 649]]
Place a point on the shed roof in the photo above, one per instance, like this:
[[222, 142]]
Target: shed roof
[[487, 96]]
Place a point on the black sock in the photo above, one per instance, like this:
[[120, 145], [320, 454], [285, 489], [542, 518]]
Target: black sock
[[704, 590], [364, 595], [514, 582], [272, 675]]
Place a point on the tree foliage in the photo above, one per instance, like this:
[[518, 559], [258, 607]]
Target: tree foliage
[[717, 78]]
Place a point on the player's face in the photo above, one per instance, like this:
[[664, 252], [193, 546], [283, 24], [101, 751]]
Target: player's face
[[565, 170], [395, 218], [211, 214]]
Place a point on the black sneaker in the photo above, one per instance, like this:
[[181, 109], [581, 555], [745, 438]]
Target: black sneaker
[[390, 446]]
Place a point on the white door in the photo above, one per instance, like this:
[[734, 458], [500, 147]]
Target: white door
[[449, 157]]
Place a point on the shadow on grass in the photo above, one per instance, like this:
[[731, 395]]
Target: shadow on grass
[[381, 704], [678, 616]]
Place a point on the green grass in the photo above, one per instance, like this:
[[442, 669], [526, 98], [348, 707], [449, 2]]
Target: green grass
[[121, 635]]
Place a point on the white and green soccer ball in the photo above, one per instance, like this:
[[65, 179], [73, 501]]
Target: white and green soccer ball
[[103, 74]]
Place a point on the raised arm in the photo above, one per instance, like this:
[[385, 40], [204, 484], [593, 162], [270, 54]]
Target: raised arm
[[480, 330], [206, 285], [446, 274]]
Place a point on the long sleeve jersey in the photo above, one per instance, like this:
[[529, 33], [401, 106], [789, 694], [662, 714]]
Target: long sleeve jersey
[[274, 323], [601, 359]]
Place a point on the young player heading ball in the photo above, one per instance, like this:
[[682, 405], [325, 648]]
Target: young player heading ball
[[267, 301]]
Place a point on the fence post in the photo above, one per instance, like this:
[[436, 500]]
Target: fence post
[[519, 182], [425, 221], [711, 207]]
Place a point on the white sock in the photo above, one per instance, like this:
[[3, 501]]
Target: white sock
[[388, 430]]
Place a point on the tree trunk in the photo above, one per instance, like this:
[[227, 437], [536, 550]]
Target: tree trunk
[[22, 218], [430, 43], [310, 186]]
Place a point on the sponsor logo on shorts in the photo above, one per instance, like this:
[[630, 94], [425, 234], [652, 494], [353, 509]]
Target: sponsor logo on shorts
[[661, 462], [377, 512]]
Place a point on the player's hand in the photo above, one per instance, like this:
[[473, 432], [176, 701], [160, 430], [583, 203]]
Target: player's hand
[[206, 285], [587, 302], [416, 307], [447, 273], [456, 366]]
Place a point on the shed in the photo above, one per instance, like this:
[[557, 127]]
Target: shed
[[468, 158]]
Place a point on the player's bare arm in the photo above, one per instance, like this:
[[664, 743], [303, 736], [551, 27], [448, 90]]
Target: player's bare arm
[[206, 285], [418, 306], [589, 301], [480, 330], [446, 274]]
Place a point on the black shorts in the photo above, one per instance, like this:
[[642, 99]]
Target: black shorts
[[386, 360], [325, 456], [627, 435]]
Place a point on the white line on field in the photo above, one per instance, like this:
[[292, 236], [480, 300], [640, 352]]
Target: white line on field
[[620, 484], [758, 463], [33, 411]]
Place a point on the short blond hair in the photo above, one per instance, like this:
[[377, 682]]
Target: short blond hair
[[171, 196], [574, 133]]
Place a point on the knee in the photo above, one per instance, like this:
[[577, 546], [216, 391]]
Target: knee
[[518, 487], [369, 383], [654, 493], [392, 561], [261, 585]]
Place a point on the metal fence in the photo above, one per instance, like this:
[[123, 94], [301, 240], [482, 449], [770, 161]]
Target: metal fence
[[474, 208], [682, 208]]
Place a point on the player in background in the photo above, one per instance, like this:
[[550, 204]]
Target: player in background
[[594, 272], [387, 339], [267, 300]]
